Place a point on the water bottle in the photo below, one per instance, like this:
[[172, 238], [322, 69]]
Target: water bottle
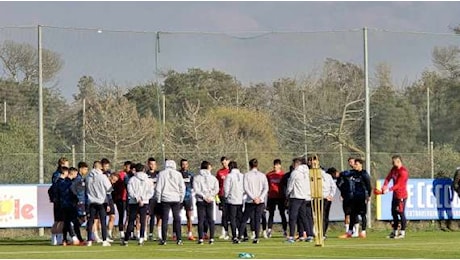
[[245, 255]]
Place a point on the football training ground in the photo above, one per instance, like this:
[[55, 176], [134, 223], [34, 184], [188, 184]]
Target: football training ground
[[422, 244]]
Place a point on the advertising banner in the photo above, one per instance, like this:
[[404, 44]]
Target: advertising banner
[[429, 199], [29, 206], [18, 206]]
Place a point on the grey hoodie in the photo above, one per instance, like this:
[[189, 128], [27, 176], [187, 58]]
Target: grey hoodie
[[205, 185], [97, 187], [233, 187], [140, 188], [255, 185], [299, 183], [170, 184]]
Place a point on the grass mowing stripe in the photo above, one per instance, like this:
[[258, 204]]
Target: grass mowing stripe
[[376, 246], [54, 252]]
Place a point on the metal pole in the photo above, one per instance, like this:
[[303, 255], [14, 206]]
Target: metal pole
[[159, 92], [41, 170], [163, 127], [83, 134], [368, 122], [247, 155], [432, 160], [304, 123], [73, 155], [428, 123], [341, 157], [4, 112], [237, 96]]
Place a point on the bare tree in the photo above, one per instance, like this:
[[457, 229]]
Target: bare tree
[[20, 62], [114, 124], [447, 60], [333, 110]]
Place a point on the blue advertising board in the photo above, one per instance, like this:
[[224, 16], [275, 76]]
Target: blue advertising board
[[429, 199]]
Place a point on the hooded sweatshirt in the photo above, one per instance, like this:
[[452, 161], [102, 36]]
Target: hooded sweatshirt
[[299, 184], [97, 187], [140, 188], [233, 187], [255, 185], [205, 185], [170, 184]]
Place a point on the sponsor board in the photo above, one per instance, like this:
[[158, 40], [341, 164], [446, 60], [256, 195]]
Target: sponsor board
[[428, 199], [29, 206], [18, 206]]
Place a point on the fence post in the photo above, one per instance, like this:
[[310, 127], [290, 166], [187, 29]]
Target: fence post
[[4, 112], [41, 231], [368, 123], [432, 160], [341, 157]]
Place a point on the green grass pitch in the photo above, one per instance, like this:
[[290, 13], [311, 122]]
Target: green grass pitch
[[424, 244]]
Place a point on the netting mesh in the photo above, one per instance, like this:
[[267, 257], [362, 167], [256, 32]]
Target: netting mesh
[[131, 95]]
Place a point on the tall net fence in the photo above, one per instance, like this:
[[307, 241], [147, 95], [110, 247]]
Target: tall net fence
[[133, 95]]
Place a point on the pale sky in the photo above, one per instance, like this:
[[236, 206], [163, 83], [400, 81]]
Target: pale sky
[[128, 58], [241, 16]]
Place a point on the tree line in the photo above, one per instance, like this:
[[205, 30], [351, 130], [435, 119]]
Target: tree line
[[209, 113]]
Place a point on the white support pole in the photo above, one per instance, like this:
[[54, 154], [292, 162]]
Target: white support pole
[[247, 155], [304, 123], [73, 155], [163, 127], [368, 123], [428, 119], [4, 112], [432, 159], [41, 170], [83, 130], [341, 157], [160, 104]]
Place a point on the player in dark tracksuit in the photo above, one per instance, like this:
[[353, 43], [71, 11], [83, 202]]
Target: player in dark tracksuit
[[343, 183], [187, 204], [56, 229], [155, 209], [361, 192], [67, 203], [78, 189]]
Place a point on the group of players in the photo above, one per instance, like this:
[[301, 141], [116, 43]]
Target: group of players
[[143, 194]]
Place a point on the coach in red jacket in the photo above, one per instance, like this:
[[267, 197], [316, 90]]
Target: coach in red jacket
[[399, 175]]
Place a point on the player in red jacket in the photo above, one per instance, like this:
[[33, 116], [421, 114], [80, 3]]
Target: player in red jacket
[[399, 175], [221, 175], [276, 197]]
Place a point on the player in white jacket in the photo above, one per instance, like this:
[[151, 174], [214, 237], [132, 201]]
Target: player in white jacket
[[140, 190], [206, 188], [255, 186], [234, 193], [170, 192]]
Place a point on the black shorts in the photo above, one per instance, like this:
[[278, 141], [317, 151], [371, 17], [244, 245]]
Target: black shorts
[[222, 203], [273, 202], [346, 205], [158, 209], [187, 205], [358, 205], [112, 208], [105, 205], [58, 213]]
